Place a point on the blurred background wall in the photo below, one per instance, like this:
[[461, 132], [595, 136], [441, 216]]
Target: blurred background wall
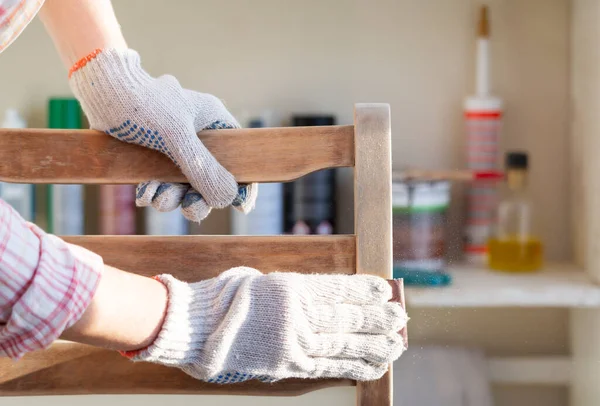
[[321, 56]]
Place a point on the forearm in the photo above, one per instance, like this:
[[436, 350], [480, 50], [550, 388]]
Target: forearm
[[78, 27], [49, 288], [126, 312]]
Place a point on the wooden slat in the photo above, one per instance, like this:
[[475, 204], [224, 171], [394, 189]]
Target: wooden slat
[[74, 369], [195, 257], [373, 216], [252, 155]]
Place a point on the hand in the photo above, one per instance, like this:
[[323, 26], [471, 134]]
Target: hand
[[166, 197], [245, 325], [121, 99]]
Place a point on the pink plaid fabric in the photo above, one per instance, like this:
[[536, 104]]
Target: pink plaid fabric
[[15, 15], [45, 284]]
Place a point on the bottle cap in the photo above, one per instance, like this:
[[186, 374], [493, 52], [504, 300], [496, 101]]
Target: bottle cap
[[516, 160], [256, 123], [312, 120]]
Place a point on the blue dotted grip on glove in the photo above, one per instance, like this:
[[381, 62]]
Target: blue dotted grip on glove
[[135, 134], [237, 377]]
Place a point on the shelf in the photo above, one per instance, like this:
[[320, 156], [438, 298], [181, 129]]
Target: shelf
[[555, 286], [552, 370], [538, 370]]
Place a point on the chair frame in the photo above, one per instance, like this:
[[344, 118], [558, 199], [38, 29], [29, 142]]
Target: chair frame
[[280, 155]]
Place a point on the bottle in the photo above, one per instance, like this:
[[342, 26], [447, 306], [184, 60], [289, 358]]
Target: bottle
[[165, 223], [117, 209], [65, 202], [19, 196], [513, 247], [483, 113], [309, 202]]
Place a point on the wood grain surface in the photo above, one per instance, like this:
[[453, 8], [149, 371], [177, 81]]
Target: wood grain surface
[[251, 155], [75, 369], [373, 216], [196, 257]]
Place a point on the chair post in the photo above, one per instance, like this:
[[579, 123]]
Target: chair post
[[373, 216]]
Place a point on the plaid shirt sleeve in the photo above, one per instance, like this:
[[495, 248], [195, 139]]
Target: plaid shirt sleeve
[[45, 284], [15, 15]]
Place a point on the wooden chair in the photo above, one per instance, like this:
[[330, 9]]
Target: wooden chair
[[278, 154]]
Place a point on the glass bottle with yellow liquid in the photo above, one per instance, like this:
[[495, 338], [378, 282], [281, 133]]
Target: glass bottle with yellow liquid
[[512, 247]]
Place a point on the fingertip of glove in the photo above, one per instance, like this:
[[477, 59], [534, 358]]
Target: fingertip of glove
[[246, 198]]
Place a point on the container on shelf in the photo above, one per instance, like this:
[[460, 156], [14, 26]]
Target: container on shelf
[[310, 201], [513, 247], [165, 223], [483, 121], [419, 223], [117, 209], [65, 202]]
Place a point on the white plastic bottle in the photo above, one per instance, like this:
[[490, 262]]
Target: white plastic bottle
[[483, 119], [19, 196], [169, 223]]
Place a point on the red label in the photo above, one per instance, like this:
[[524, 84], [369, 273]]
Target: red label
[[483, 115]]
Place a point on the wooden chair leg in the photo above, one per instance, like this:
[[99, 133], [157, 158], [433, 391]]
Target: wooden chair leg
[[373, 216]]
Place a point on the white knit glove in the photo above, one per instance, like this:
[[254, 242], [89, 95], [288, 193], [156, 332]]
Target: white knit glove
[[245, 325], [120, 98]]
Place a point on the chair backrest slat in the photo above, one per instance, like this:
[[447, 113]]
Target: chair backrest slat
[[197, 257], [75, 369], [92, 157]]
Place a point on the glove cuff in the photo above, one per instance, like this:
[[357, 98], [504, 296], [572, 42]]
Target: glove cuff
[[175, 342], [194, 312], [104, 73]]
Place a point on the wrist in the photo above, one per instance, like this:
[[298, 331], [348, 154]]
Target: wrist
[[83, 61], [174, 339], [77, 27], [112, 62], [126, 312], [97, 78]]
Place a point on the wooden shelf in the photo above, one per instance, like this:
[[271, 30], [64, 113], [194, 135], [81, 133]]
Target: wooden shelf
[[555, 286], [552, 370]]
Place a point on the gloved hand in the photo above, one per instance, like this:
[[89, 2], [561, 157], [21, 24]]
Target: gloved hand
[[121, 99], [245, 325]]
